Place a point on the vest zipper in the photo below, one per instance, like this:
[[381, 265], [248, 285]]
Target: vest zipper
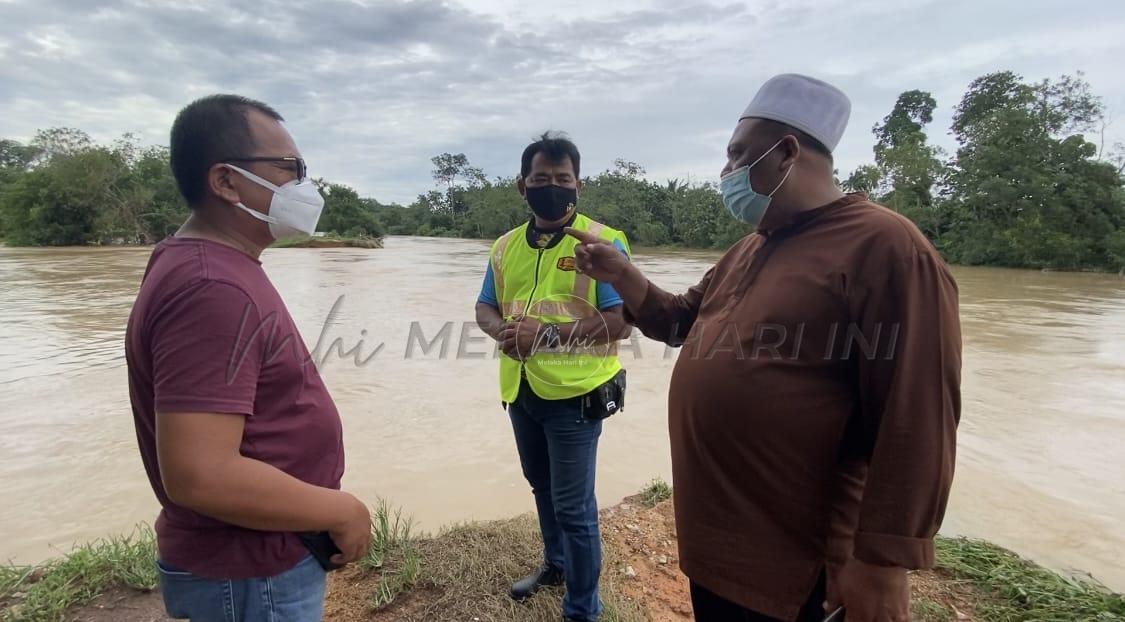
[[531, 296], [535, 285]]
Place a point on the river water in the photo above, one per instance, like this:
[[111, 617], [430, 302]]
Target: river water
[[1039, 468]]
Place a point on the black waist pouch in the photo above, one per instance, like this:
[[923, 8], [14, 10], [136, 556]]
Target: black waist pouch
[[605, 400]]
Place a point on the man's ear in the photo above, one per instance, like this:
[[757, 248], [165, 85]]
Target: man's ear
[[521, 187], [791, 150], [578, 185], [220, 181]]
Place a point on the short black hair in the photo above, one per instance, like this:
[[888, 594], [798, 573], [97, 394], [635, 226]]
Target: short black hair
[[210, 130], [555, 146], [773, 131]]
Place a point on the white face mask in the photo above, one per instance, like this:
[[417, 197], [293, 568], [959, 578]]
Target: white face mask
[[294, 209]]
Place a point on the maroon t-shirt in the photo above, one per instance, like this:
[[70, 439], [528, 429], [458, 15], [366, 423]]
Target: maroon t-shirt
[[209, 333]]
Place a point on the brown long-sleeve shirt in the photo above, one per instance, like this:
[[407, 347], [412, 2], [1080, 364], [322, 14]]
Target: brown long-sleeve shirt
[[814, 405]]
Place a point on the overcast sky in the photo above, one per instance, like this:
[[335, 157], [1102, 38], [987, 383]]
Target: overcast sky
[[372, 90]]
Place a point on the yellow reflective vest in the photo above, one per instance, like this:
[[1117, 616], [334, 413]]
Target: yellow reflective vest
[[544, 284]]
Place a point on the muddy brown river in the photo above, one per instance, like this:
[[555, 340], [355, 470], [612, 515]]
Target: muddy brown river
[[1039, 468]]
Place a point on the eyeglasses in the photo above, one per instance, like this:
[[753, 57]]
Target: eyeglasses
[[302, 170]]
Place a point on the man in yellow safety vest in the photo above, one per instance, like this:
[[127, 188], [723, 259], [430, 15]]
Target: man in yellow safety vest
[[559, 372]]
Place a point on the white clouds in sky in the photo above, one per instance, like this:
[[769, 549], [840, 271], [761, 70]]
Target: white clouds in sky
[[373, 89]]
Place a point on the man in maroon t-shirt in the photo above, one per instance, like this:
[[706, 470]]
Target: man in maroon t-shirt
[[238, 434]]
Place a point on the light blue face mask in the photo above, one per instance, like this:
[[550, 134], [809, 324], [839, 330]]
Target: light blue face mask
[[739, 196]]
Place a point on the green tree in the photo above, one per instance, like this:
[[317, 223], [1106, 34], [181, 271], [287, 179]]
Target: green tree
[[143, 205], [64, 189], [15, 155], [60, 141], [867, 179], [494, 208], [699, 218], [400, 220], [909, 167], [61, 202], [624, 200], [1115, 246], [15, 158], [1026, 189], [162, 208], [448, 169], [345, 213], [76, 192], [906, 167], [436, 219]]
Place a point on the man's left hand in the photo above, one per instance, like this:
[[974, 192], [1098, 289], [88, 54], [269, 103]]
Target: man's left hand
[[870, 593], [519, 338]]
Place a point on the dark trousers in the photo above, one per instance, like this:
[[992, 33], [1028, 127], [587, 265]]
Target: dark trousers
[[558, 451], [710, 607]]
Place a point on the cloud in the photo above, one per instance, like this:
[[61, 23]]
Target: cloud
[[372, 90]]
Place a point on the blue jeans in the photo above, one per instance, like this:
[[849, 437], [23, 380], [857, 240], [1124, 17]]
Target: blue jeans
[[558, 451], [296, 595]]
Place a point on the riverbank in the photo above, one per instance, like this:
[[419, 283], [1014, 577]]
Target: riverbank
[[463, 572], [329, 240], [714, 253]]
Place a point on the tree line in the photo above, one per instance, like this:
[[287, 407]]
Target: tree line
[[64, 189], [1031, 183]]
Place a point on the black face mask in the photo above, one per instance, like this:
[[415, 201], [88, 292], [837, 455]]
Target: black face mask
[[551, 203]]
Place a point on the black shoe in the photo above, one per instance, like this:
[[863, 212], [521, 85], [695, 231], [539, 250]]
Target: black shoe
[[546, 575]]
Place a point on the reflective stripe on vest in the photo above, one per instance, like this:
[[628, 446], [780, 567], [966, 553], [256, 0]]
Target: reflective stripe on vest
[[500, 248]]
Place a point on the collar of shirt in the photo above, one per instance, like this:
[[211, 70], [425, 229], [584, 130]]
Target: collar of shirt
[[547, 238], [782, 221]]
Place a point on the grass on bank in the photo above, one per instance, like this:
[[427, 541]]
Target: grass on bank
[[656, 491], [44, 593], [329, 240], [391, 539], [464, 573], [931, 611], [1017, 590]]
